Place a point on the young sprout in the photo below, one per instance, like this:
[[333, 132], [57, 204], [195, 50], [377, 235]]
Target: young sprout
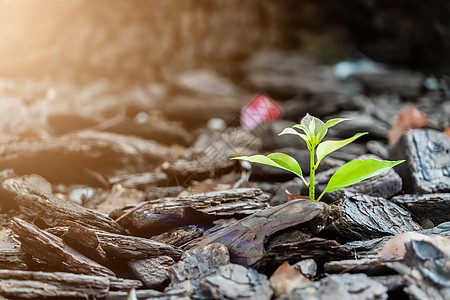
[[313, 130]]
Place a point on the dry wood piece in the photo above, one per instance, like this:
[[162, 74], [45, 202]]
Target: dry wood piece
[[245, 239], [363, 217], [79, 156], [427, 167], [180, 236], [434, 207], [34, 202], [294, 250], [28, 284], [236, 282], [370, 267], [346, 286], [115, 245], [11, 257], [157, 216], [52, 250], [153, 271]]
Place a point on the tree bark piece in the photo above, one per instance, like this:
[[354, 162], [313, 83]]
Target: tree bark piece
[[371, 267], [364, 217], [140, 180], [73, 158], [158, 216], [153, 271], [434, 207], [427, 167], [26, 191], [346, 286], [236, 282], [28, 284], [245, 239], [52, 250], [116, 245], [294, 250]]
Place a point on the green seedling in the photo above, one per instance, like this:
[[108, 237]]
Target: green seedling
[[314, 130]]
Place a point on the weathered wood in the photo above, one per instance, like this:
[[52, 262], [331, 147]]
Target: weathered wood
[[236, 282], [427, 167], [245, 239], [74, 157], [37, 203], [180, 236], [153, 271], [116, 245], [434, 207], [28, 284], [294, 250], [370, 267], [52, 250], [160, 215], [364, 217], [11, 256], [346, 286]]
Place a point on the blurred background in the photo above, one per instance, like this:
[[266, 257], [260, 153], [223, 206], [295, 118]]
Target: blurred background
[[140, 40]]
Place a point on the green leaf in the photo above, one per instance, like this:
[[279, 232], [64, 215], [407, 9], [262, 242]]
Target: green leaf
[[292, 131], [356, 171], [327, 147], [278, 160], [314, 126], [328, 124], [304, 128], [286, 161]]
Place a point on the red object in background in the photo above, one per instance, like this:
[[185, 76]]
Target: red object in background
[[260, 109]]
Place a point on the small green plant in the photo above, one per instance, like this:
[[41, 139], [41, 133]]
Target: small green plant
[[314, 130]]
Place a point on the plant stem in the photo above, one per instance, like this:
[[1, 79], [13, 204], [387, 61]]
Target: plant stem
[[311, 176]]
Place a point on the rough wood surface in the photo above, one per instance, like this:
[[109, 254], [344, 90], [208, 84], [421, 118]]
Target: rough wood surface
[[434, 207], [36, 203], [74, 157], [180, 236], [115, 245], [52, 250], [364, 217], [245, 239], [427, 167], [294, 250], [28, 284], [370, 267], [153, 271], [160, 215], [236, 282]]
